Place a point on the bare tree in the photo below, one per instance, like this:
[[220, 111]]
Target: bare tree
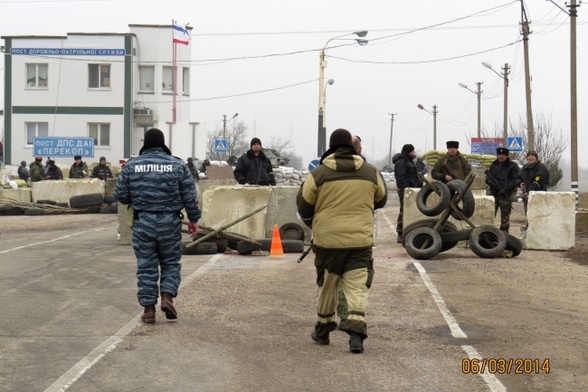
[[550, 143], [236, 141]]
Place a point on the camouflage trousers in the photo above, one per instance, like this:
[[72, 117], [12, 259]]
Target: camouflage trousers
[[505, 207], [157, 242], [352, 269]]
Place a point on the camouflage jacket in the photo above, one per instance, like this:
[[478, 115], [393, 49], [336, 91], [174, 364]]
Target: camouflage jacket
[[78, 171]]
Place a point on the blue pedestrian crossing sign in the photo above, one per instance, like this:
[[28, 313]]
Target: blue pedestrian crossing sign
[[314, 163], [220, 145], [515, 144]]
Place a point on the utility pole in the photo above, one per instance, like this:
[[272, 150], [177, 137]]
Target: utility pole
[[435, 127], [391, 134], [573, 101], [505, 72], [526, 32]]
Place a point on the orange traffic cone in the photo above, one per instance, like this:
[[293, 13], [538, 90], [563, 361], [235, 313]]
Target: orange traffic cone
[[276, 246]]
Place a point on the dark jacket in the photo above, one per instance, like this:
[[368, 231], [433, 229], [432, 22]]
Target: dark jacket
[[23, 173], [405, 172], [102, 172], [506, 177], [535, 177], [254, 170], [53, 173]]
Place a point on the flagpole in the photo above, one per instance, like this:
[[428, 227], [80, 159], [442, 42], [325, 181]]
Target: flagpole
[[174, 53]]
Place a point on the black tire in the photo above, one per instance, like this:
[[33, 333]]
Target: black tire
[[12, 211], [34, 211], [288, 246], [467, 205], [423, 243], [513, 247], [222, 245], [114, 207], [234, 239], [109, 199], [487, 241], [88, 200], [203, 248], [452, 238], [447, 227], [106, 210], [292, 231], [442, 201]]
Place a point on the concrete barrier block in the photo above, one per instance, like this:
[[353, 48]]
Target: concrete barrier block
[[225, 204], [552, 221], [282, 209], [125, 233], [23, 195], [61, 190]]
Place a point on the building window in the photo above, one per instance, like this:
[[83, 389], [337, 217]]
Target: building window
[[36, 129], [167, 85], [146, 78], [186, 81], [37, 75], [99, 75], [100, 132]]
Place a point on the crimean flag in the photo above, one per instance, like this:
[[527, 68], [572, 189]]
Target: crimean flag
[[181, 35]]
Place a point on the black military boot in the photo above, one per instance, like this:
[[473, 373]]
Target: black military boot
[[355, 343]]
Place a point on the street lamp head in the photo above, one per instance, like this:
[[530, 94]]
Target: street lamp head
[[463, 85], [362, 42], [361, 33], [487, 65], [236, 114], [420, 106], [330, 81]]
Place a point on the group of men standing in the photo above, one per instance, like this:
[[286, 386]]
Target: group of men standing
[[503, 177], [79, 169]]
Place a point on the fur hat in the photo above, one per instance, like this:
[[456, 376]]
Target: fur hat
[[255, 140], [407, 149], [77, 157], [502, 151], [452, 144], [154, 138]]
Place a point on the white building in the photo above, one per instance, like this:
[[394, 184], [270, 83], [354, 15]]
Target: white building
[[105, 88]]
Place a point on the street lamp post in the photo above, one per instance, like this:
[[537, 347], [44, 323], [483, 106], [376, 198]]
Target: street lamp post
[[225, 130], [434, 113], [504, 76], [479, 94], [322, 144]]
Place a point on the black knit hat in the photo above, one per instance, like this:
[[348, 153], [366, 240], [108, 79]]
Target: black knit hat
[[407, 149], [340, 137], [77, 157], [255, 140], [502, 151], [154, 138], [452, 144]]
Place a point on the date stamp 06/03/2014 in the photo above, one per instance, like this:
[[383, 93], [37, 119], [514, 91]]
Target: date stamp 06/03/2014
[[505, 365]]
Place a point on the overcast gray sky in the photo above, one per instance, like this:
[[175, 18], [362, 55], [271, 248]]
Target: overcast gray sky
[[260, 58]]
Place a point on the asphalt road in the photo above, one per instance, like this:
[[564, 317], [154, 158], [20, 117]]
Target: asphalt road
[[70, 320]]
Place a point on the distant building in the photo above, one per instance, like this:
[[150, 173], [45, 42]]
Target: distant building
[[110, 87]]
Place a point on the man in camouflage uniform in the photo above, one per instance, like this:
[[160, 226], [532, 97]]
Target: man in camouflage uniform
[[36, 170], [79, 169], [503, 177], [158, 186], [453, 166]]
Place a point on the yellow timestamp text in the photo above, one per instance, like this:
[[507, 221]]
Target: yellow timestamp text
[[505, 365]]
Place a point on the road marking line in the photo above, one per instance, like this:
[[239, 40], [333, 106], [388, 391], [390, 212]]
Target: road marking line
[[54, 239], [491, 380], [78, 370]]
